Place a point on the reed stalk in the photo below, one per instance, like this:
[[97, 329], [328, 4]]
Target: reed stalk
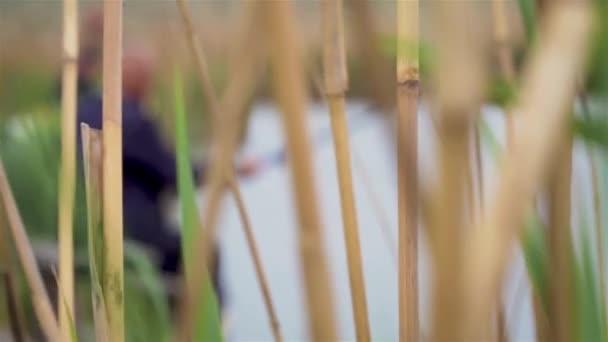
[[547, 94], [561, 265], [40, 299], [289, 88], [257, 261], [408, 89], [9, 277], [201, 62], [92, 145], [374, 198], [336, 85], [113, 273], [459, 82], [68, 166], [227, 127]]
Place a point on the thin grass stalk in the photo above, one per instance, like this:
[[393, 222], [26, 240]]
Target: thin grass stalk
[[233, 103], [459, 82], [290, 92], [92, 145], [408, 89], [547, 94], [68, 166], [10, 278], [201, 62], [39, 296], [561, 265], [336, 84], [374, 198], [257, 261], [112, 169]]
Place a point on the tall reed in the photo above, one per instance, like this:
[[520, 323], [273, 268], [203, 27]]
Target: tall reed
[[336, 84], [68, 166], [112, 169], [408, 89], [459, 85], [257, 261], [547, 93], [40, 299], [561, 263], [290, 92]]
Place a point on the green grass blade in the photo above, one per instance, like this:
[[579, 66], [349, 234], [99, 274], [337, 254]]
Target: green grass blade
[[527, 9], [208, 317]]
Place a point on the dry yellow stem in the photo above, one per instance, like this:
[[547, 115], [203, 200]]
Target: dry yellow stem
[[336, 84], [112, 169], [561, 263], [290, 92], [408, 89], [68, 167], [459, 83], [548, 90], [40, 299], [257, 261]]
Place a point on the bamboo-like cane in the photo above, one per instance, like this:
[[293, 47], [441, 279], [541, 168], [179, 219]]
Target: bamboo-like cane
[[40, 299], [290, 91], [561, 265], [459, 82], [408, 89], [224, 140], [257, 262], [68, 166], [9, 276], [92, 151], [548, 90], [112, 169], [336, 84]]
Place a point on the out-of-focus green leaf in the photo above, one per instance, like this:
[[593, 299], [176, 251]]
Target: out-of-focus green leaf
[[30, 148], [527, 8], [592, 129], [502, 92], [534, 246], [591, 323], [147, 311], [208, 327]]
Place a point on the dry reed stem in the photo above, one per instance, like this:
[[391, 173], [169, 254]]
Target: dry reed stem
[[548, 90], [92, 146], [68, 166], [40, 299], [459, 82], [246, 69], [112, 169], [257, 261], [408, 89], [9, 275], [290, 92], [561, 265], [374, 198], [201, 63], [336, 84]]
